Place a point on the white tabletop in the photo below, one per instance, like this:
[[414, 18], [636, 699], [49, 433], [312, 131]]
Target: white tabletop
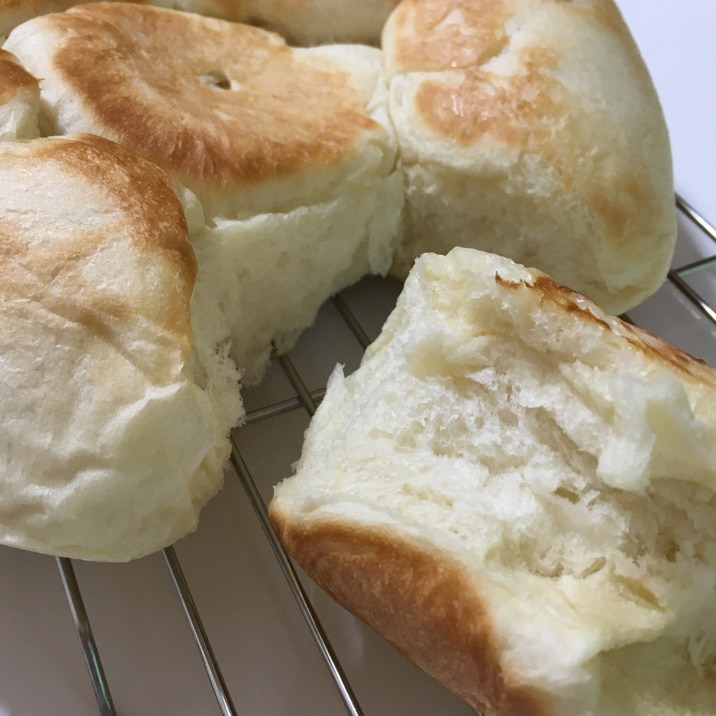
[[266, 653]]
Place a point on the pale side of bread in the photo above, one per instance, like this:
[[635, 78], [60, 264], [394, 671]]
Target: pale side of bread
[[115, 415], [533, 130], [519, 492], [290, 152], [19, 100], [263, 280]]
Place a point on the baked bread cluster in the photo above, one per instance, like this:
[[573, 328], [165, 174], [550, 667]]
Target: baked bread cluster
[[516, 488], [285, 157], [519, 491], [531, 128], [528, 129]]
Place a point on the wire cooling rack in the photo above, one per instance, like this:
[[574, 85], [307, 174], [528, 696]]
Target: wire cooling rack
[[265, 639]]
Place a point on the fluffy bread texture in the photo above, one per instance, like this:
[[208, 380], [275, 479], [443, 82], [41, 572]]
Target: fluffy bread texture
[[531, 129], [289, 152], [302, 22], [519, 491], [19, 100], [115, 415]]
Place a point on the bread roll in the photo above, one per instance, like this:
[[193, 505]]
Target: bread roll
[[519, 491], [303, 22], [289, 152], [532, 129], [115, 417], [19, 100], [16, 12]]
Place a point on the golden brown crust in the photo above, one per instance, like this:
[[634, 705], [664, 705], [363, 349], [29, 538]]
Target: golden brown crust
[[423, 603], [654, 349], [46, 272], [526, 108], [427, 40], [686, 365], [235, 105], [14, 78], [424, 42]]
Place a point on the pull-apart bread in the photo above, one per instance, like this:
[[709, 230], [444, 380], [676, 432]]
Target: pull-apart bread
[[302, 22], [519, 491], [287, 155], [531, 129], [19, 100], [115, 417]]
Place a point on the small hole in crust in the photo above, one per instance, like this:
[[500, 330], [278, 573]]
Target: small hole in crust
[[216, 79]]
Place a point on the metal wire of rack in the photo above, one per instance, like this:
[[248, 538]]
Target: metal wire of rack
[[696, 261]]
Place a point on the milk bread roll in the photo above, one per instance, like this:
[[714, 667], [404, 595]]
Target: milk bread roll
[[519, 491], [19, 100], [532, 129], [289, 152], [115, 416], [302, 22]]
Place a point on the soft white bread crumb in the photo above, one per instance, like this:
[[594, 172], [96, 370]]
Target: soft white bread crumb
[[115, 414], [533, 130], [519, 492]]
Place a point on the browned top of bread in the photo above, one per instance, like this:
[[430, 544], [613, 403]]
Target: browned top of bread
[[14, 78], [549, 106], [432, 35], [49, 272], [234, 105], [518, 109], [612, 329]]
